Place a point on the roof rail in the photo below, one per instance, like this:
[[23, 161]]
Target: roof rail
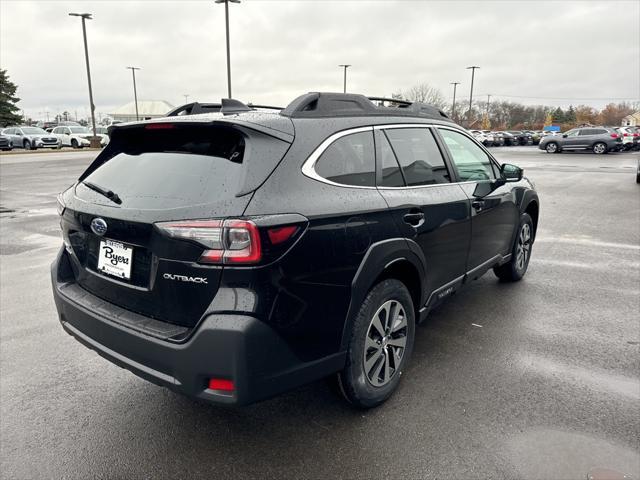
[[320, 104]]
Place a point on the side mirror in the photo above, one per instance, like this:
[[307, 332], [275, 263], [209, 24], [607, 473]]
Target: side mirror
[[564, 136], [19, 134], [511, 173]]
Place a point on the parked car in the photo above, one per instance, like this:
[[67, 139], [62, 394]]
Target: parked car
[[508, 139], [490, 138], [498, 139], [521, 138], [481, 137], [597, 139], [5, 143], [629, 137], [535, 136], [77, 137], [30, 138], [233, 257]]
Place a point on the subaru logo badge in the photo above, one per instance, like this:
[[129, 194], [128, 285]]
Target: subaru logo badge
[[98, 226]]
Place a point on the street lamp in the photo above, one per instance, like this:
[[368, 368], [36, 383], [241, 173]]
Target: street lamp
[[345, 76], [453, 107], [473, 71], [186, 98], [135, 93], [95, 141], [226, 14]]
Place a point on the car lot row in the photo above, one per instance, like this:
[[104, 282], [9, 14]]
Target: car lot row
[[32, 138], [607, 139]]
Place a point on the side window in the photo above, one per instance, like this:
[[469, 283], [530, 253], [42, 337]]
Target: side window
[[419, 156], [586, 131], [349, 160], [573, 133], [472, 163], [391, 175], [56, 130], [8, 131], [66, 131]]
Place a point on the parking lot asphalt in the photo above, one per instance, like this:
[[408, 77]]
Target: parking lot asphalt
[[538, 379]]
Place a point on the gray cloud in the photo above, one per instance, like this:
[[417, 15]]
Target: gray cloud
[[578, 50]]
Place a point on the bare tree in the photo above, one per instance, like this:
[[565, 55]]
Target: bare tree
[[423, 93]]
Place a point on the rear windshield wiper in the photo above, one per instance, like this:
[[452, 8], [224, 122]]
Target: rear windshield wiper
[[103, 191]]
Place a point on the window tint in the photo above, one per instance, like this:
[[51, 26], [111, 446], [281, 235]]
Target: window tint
[[349, 160], [418, 155], [391, 175], [471, 161], [573, 133]]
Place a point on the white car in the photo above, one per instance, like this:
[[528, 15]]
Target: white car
[[30, 138], [481, 137], [77, 137]]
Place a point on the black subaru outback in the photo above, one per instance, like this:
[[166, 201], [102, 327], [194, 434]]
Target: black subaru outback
[[236, 254]]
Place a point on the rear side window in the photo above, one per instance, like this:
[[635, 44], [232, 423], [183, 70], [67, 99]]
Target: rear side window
[[183, 166], [391, 175], [350, 160], [418, 155]]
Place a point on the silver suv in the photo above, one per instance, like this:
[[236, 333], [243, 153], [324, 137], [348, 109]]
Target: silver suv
[[597, 139]]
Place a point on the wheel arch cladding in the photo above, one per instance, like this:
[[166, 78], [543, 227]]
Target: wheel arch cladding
[[533, 209], [386, 259]]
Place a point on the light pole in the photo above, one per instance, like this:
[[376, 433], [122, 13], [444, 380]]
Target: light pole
[[453, 107], [345, 76], [473, 71], [226, 15], [135, 93], [95, 141], [186, 98]]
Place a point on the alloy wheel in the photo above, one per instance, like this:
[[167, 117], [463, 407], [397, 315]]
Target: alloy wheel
[[524, 247], [599, 148], [385, 343], [552, 147]]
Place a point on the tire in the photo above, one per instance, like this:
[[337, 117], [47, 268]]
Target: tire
[[552, 147], [599, 148], [365, 381], [514, 269], [74, 143]]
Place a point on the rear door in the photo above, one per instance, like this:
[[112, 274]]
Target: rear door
[[416, 182], [493, 217], [174, 173]]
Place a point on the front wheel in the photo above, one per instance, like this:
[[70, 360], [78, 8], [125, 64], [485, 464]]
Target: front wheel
[[380, 345], [516, 267], [552, 147], [599, 148]]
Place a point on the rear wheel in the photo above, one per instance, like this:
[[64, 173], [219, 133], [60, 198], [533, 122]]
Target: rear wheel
[[552, 147], [599, 148], [380, 345], [516, 267], [74, 143]]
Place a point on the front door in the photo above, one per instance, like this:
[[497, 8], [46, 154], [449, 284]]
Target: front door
[[493, 216]]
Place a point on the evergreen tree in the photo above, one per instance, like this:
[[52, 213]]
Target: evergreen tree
[[558, 116], [8, 101], [570, 115]]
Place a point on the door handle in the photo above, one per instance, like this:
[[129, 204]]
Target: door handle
[[414, 218], [478, 204]]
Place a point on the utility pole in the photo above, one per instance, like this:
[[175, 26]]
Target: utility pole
[[345, 76], [473, 71], [453, 107], [95, 141], [186, 98], [226, 15], [488, 101], [135, 93]]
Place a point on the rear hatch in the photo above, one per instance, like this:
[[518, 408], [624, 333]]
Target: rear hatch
[[155, 173]]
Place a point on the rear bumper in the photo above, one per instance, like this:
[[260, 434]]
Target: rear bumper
[[228, 346]]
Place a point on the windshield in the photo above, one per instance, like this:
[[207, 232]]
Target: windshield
[[33, 130], [78, 129]]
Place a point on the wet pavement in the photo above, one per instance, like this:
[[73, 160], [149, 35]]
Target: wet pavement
[[538, 379]]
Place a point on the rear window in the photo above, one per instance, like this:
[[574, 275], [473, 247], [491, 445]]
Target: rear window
[[186, 165]]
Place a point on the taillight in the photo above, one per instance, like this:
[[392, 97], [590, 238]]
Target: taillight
[[626, 134], [228, 241], [635, 134], [614, 135], [280, 235]]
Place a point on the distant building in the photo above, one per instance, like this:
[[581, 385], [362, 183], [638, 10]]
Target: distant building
[[146, 109], [632, 120]]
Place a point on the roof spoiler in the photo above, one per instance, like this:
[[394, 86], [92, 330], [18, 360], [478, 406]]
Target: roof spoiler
[[227, 106]]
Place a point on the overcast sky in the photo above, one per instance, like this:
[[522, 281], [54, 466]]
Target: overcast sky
[[560, 51]]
